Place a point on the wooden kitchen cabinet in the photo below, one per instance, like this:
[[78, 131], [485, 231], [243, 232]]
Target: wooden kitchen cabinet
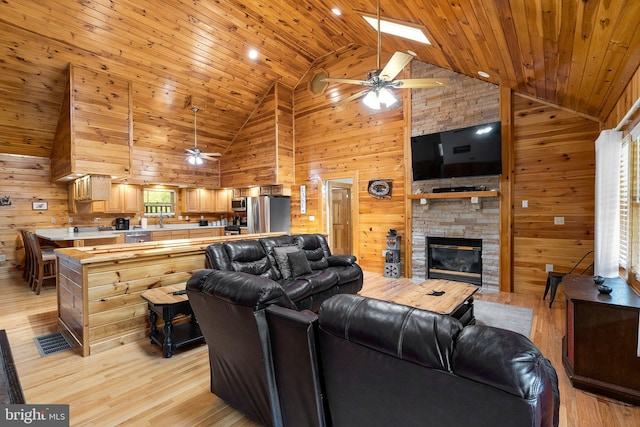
[[198, 200], [197, 233], [169, 235], [223, 200], [92, 187], [161, 235], [275, 190], [83, 207], [132, 198], [179, 234]]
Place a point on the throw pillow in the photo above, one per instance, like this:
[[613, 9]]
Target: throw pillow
[[280, 254], [299, 263]]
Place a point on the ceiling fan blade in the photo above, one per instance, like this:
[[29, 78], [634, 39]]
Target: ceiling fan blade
[[348, 81], [395, 65], [211, 155], [190, 151], [420, 83], [352, 97]]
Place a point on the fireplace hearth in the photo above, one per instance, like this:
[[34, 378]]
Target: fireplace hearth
[[454, 259]]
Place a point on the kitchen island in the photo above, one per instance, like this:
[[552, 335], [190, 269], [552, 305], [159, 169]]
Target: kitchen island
[[99, 287]]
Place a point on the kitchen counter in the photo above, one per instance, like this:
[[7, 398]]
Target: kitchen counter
[[99, 286], [62, 236]]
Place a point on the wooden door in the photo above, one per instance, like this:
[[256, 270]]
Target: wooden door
[[340, 219]]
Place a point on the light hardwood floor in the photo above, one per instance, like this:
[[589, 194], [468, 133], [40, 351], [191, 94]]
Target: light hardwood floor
[[133, 385]]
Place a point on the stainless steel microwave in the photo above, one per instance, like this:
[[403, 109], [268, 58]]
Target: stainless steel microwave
[[239, 204]]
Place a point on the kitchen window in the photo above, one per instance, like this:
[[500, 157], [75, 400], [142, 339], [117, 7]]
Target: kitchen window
[[159, 201]]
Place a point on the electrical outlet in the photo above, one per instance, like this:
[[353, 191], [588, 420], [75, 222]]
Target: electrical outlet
[[525, 203], [3, 258], [70, 220], [53, 220], [548, 267]]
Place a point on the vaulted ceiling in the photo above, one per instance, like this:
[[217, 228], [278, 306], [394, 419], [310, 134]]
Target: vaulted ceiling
[[579, 54]]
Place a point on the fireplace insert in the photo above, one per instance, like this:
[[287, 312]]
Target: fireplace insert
[[454, 259]]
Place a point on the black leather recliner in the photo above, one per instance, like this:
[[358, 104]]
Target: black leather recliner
[[230, 310], [389, 364], [362, 361]]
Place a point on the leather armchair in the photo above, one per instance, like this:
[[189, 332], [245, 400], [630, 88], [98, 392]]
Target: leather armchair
[[388, 364], [230, 310]]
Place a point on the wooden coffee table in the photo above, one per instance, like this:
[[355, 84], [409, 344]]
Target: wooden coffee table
[[441, 296]]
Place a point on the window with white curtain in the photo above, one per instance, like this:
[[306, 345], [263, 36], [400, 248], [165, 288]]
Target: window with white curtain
[[624, 206]]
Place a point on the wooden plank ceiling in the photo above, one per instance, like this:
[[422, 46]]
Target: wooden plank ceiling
[[579, 54]]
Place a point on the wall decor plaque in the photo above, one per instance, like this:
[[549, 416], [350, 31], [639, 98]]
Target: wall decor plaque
[[380, 188]]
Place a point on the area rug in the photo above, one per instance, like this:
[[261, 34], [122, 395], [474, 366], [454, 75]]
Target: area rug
[[511, 317]]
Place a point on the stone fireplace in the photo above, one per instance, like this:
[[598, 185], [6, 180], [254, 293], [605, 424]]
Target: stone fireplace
[[457, 259], [458, 218]]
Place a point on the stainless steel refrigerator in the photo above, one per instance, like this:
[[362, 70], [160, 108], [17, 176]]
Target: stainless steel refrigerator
[[266, 214]]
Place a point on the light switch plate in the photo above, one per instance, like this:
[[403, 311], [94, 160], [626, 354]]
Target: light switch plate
[[525, 203], [548, 267], [558, 220]]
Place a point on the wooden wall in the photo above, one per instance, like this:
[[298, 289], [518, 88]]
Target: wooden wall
[[262, 152], [95, 117], [26, 179], [630, 95], [349, 141], [554, 171]]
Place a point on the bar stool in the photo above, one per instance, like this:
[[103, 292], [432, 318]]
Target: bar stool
[[27, 273], [45, 264], [554, 278]]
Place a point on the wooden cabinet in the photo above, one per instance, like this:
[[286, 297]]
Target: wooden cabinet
[[275, 190], [198, 200], [83, 207], [204, 232], [600, 350], [192, 233], [169, 235], [223, 201], [161, 235], [202, 200], [92, 187]]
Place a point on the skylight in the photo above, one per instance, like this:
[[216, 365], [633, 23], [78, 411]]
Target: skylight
[[396, 29]]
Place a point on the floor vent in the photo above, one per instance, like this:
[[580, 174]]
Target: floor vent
[[52, 343]]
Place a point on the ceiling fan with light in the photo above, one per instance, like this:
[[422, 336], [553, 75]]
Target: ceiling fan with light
[[380, 82], [195, 156]]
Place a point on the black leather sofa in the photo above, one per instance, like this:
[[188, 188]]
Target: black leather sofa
[[302, 264], [363, 362]]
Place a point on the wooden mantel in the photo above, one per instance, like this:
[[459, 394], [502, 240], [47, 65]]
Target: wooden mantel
[[455, 195]]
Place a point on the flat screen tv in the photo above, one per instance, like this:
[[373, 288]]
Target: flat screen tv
[[470, 151]]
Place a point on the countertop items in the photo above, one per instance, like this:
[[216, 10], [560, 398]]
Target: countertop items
[[88, 233]]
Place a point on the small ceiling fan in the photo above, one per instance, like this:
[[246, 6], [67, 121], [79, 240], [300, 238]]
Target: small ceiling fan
[[195, 156], [380, 82]]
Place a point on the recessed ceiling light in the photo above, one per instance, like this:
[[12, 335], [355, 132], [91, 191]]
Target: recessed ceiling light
[[483, 74], [397, 29], [253, 54], [336, 11]]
